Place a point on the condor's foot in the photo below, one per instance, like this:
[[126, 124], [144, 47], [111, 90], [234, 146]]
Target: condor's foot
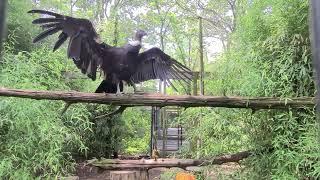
[[119, 93]]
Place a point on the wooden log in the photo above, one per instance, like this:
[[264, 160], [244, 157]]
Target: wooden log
[[128, 175], [164, 100], [144, 164]]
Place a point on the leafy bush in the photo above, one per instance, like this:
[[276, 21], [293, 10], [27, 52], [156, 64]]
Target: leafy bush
[[270, 56], [32, 135]]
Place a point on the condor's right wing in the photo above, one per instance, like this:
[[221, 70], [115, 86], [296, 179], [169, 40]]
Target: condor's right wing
[[84, 46]]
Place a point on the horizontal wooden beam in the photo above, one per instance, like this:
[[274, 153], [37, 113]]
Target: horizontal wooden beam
[[164, 100], [116, 164]]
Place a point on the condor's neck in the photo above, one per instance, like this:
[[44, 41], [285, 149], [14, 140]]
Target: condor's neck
[[135, 42], [134, 46]]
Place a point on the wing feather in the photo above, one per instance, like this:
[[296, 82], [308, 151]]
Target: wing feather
[[46, 20], [49, 25], [46, 33], [83, 48], [155, 64], [44, 12], [62, 38]]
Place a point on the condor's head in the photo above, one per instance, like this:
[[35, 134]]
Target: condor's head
[[139, 34]]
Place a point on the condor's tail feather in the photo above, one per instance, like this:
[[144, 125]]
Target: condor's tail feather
[[106, 86]]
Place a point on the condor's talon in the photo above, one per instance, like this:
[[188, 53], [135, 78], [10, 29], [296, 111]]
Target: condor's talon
[[119, 93]]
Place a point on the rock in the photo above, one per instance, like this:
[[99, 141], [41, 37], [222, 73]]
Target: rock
[[154, 173], [70, 178], [176, 169]]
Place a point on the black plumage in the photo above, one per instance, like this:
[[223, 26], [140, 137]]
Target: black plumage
[[107, 86], [117, 64]]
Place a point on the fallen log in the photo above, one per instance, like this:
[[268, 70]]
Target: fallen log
[[164, 100], [115, 164]]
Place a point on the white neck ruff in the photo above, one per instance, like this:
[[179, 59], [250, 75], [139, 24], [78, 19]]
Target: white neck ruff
[[135, 43]]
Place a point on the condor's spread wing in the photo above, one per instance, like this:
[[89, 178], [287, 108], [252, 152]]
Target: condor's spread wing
[[155, 64], [84, 46]]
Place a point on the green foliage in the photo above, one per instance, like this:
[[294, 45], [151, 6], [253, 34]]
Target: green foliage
[[20, 29], [222, 131], [104, 135], [136, 131], [33, 138], [281, 49], [269, 56]]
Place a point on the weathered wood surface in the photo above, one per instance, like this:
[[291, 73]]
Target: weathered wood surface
[[164, 100], [114, 164], [128, 175]]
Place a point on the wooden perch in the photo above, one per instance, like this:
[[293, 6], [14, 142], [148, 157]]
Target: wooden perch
[[114, 164], [164, 100]]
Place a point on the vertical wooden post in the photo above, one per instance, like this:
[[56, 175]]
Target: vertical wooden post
[[201, 73], [152, 128], [3, 12], [315, 39], [195, 83], [201, 57], [71, 7], [115, 32], [164, 125]]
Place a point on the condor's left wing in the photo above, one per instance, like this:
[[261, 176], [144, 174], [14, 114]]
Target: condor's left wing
[[84, 46]]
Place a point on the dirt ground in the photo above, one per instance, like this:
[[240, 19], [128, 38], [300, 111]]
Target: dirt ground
[[89, 172]]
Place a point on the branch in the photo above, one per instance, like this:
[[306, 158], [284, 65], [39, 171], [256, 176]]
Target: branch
[[164, 100], [116, 164]]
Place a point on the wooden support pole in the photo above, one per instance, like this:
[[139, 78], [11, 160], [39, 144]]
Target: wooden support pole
[[144, 164], [315, 42], [164, 100], [201, 57], [3, 9]]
